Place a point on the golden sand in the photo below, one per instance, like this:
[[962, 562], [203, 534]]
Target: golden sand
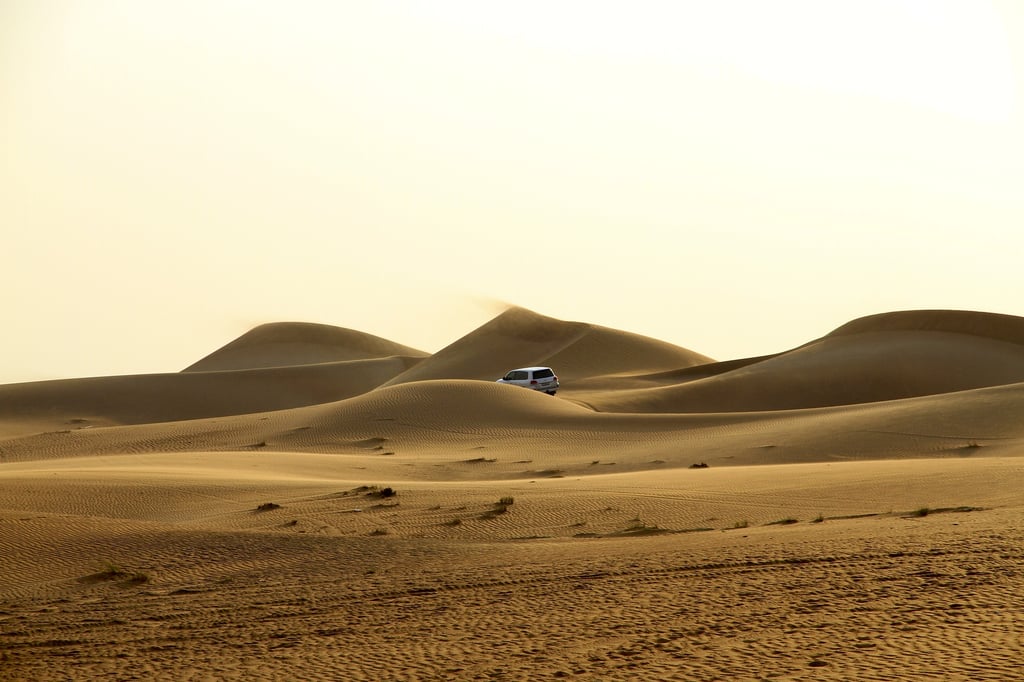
[[310, 502]]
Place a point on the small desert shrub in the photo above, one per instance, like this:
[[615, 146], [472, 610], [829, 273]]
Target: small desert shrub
[[638, 527], [112, 571], [783, 522], [741, 524], [500, 507], [818, 519], [374, 491], [923, 511], [379, 531], [268, 506], [699, 465]]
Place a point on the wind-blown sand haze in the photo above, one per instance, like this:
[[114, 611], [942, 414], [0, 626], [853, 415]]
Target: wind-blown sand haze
[[313, 502]]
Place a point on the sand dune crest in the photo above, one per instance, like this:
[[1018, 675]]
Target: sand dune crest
[[886, 358], [282, 344]]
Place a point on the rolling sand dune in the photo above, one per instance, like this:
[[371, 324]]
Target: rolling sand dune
[[883, 358], [142, 399], [310, 502], [299, 343], [521, 338]]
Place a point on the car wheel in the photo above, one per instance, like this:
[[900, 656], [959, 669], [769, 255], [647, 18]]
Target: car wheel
[[550, 392]]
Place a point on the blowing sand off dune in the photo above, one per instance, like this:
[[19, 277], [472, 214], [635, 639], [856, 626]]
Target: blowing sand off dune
[[312, 502]]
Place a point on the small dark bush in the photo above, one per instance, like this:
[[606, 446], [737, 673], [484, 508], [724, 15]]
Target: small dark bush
[[374, 491], [112, 571]]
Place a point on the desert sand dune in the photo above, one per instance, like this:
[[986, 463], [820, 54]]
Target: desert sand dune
[[310, 502], [280, 366], [141, 399], [521, 338], [987, 325], [602, 352], [515, 338], [283, 344], [464, 419], [859, 363]]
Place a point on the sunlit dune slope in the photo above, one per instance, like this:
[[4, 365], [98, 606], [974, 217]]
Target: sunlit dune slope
[[883, 357], [283, 344], [521, 338], [986, 325], [137, 399], [464, 429], [601, 351], [628, 380]]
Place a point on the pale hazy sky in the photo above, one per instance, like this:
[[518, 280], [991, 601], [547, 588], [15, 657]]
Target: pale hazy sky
[[735, 177]]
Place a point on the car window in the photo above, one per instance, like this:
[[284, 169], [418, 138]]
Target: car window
[[517, 375], [543, 373]]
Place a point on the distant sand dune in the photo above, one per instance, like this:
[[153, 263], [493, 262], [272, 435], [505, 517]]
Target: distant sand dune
[[282, 344], [521, 338], [988, 325], [861, 364]]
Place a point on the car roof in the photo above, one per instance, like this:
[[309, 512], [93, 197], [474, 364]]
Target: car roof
[[527, 369]]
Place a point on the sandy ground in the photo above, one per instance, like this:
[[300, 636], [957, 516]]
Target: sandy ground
[[310, 502]]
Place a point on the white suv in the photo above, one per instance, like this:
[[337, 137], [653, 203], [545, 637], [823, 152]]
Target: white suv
[[537, 378]]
